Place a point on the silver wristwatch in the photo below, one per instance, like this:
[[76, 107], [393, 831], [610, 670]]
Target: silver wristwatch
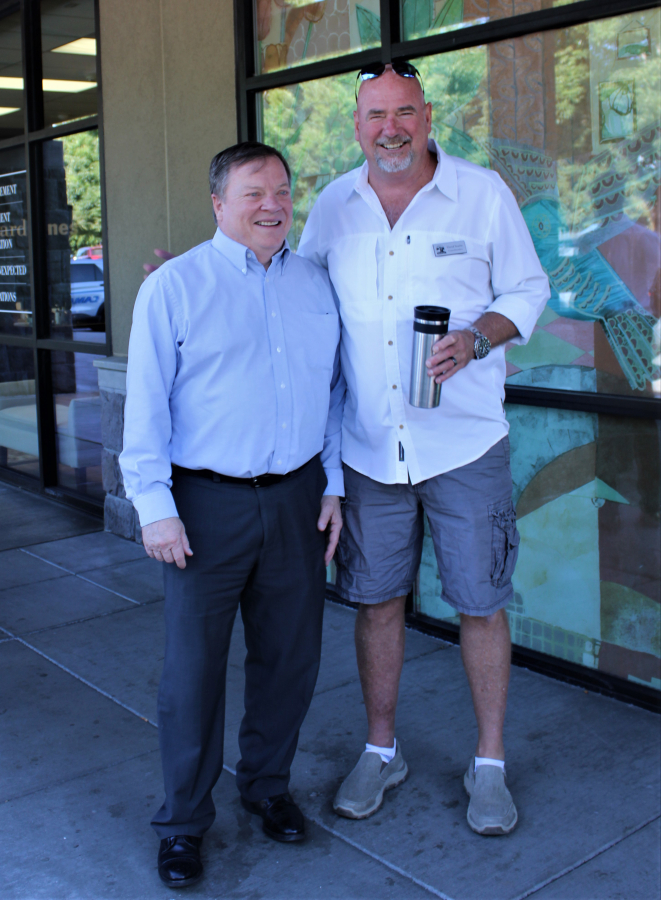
[[482, 344]]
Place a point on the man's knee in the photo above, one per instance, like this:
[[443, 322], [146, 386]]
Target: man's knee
[[492, 620], [381, 613]]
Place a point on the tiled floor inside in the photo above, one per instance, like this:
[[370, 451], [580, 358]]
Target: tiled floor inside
[[81, 645]]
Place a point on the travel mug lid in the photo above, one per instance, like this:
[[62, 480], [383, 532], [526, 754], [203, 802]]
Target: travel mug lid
[[431, 313]]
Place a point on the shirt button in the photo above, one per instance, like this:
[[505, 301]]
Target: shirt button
[[284, 424], [273, 314], [401, 426], [282, 385], [278, 349], [394, 387], [389, 296], [279, 462], [391, 252], [390, 343]]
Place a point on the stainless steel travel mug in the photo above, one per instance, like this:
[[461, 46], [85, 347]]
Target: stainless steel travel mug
[[430, 323]]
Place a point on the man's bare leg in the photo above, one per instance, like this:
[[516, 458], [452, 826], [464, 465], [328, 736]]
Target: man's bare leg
[[380, 654], [486, 652]]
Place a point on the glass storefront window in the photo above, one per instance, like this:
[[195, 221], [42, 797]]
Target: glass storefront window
[[15, 297], [587, 584], [11, 76], [571, 120], [19, 438], [290, 32], [68, 42], [77, 422], [312, 125], [423, 17], [74, 253]]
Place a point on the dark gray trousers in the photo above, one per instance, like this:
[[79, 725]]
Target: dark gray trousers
[[260, 548]]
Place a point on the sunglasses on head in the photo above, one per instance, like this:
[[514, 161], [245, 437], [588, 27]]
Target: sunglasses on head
[[404, 69]]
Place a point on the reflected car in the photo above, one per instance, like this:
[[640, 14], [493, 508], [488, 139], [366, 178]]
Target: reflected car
[[87, 294]]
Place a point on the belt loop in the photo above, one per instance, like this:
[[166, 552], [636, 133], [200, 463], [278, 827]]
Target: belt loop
[[216, 478]]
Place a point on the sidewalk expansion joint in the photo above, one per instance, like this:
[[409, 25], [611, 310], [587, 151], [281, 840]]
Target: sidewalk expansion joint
[[78, 677], [586, 859], [77, 776], [105, 615], [82, 577]]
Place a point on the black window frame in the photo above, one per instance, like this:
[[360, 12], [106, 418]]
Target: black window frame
[[250, 85], [40, 340]]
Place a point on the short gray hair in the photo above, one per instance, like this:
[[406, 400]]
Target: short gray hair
[[237, 155]]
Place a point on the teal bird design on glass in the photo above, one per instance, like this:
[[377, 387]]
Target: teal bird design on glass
[[584, 285]]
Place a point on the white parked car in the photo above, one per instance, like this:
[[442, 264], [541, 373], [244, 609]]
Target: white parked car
[[87, 294]]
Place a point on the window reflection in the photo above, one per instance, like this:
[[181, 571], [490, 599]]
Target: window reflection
[[77, 422], [73, 242], [587, 492], [570, 120], [422, 17], [68, 42], [11, 76], [295, 31], [19, 439]]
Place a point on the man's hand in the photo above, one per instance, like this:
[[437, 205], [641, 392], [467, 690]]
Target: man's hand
[[330, 515], [166, 541], [457, 348], [451, 353]]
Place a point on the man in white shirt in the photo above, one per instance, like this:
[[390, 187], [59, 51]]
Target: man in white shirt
[[415, 226], [232, 459]]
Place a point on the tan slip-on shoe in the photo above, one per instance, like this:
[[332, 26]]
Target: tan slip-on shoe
[[491, 809], [361, 792]]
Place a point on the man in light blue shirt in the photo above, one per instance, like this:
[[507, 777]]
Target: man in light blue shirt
[[232, 460]]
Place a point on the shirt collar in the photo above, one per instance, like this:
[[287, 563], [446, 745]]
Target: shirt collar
[[239, 254], [445, 176]]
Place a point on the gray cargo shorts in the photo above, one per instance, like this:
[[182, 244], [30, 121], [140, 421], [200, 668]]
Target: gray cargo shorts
[[473, 526]]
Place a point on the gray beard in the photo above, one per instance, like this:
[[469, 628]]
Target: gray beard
[[394, 165]]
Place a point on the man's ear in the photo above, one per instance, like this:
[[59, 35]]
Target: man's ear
[[355, 125], [217, 204]]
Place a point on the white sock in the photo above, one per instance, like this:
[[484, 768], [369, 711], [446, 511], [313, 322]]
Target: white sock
[[386, 753], [485, 761]]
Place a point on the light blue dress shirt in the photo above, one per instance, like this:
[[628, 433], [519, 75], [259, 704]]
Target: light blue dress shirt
[[232, 368]]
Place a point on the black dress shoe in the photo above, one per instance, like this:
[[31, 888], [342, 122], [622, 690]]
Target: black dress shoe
[[179, 861], [282, 820]]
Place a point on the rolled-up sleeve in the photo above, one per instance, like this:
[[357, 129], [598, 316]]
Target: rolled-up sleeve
[[145, 460], [520, 285]]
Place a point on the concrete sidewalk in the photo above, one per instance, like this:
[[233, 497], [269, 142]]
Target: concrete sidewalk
[[81, 646]]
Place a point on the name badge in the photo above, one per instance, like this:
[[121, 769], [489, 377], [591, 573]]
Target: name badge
[[450, 249]]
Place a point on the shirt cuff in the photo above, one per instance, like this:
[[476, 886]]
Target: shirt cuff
[[155, 506], [335, 486]]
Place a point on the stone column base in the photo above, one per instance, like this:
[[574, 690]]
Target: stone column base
[[118, 512]]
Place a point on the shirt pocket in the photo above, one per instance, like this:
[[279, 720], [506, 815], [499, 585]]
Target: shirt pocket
[[352, 268]]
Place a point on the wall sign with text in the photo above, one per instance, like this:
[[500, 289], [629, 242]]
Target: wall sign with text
[[14, 276]]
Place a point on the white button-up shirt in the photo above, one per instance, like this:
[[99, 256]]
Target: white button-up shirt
[[231, 368], [380, 274]]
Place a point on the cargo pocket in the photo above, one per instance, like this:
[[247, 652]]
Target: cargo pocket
[[504, 545]]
